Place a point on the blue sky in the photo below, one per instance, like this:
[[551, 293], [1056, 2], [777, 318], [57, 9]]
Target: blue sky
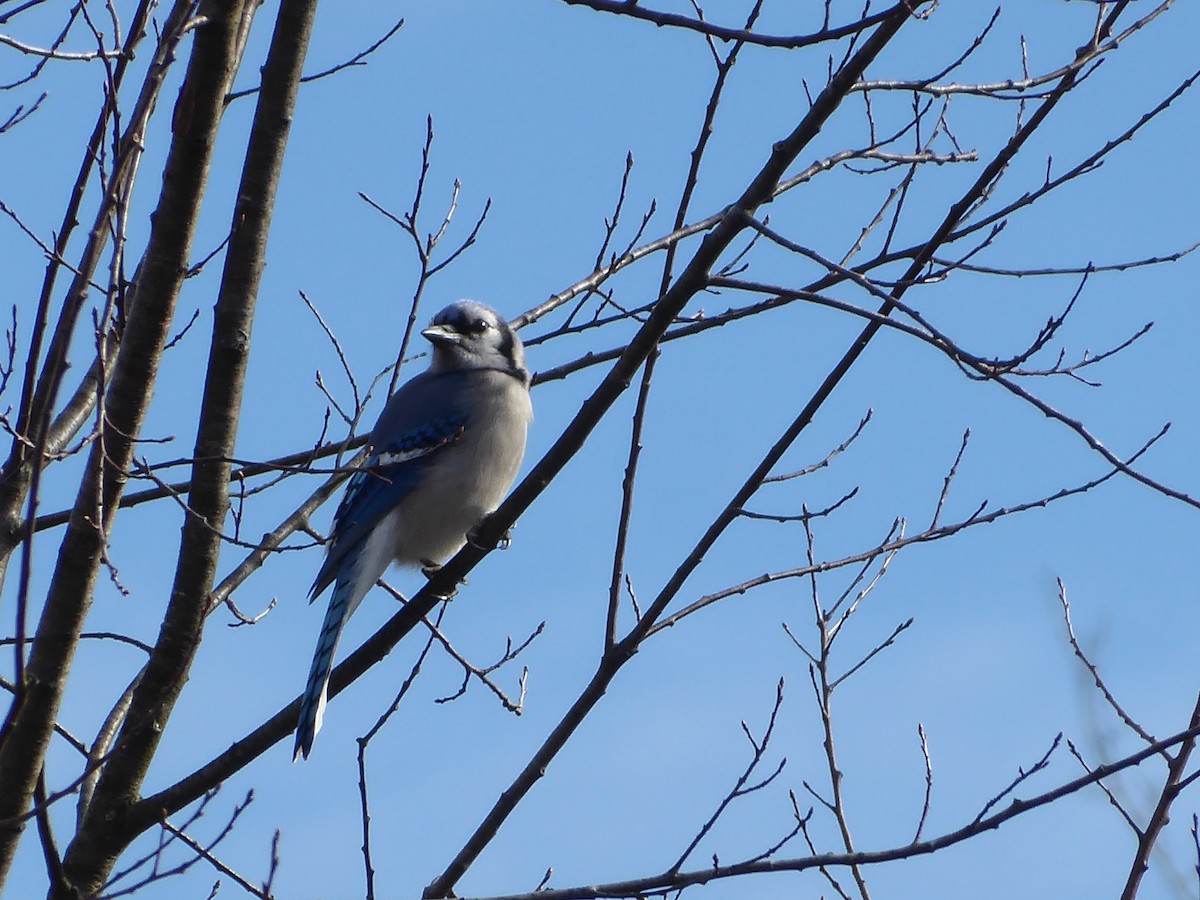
[[535, 106]]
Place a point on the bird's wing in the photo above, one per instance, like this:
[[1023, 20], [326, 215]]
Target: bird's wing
[[392, 470]]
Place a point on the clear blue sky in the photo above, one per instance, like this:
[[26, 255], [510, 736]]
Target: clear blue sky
[[535, 106]]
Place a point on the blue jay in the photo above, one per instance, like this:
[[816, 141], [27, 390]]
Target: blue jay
[[442, 456]]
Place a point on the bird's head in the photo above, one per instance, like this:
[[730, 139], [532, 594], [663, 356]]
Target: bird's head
[[471, 335]]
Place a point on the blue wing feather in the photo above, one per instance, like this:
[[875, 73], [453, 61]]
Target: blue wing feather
[[386, 477]]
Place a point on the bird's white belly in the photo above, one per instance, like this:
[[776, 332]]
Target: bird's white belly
[[433, 523]]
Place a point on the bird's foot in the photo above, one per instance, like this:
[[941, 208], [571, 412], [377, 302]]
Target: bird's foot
[[429, 569], [474, 539]]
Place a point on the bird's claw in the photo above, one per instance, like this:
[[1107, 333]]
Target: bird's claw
[[430, 569], [503, 543]]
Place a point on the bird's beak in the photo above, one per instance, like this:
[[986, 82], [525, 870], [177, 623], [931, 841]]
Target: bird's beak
[[442, 334]]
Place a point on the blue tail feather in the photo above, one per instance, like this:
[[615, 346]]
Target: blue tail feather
[[312, 705]]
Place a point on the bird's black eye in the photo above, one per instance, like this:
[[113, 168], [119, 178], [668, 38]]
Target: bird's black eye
[[479, 326]]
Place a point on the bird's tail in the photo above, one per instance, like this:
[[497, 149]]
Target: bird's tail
[[312, 705]]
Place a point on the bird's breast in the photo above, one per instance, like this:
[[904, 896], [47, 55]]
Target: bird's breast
[[466, 482]]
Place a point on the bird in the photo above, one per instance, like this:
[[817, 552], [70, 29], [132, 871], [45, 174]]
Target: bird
[[441, 457]]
